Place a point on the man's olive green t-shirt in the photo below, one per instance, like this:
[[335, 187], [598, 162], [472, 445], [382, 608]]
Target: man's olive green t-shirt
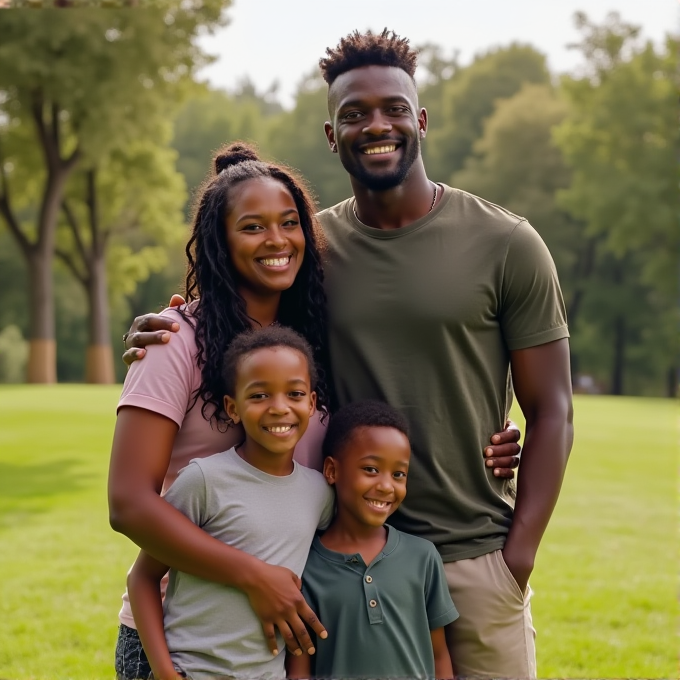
[[424, 317]]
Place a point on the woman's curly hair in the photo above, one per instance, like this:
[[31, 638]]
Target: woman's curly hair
[[219, 314]]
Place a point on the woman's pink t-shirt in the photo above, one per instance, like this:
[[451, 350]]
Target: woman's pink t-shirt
[[165, 382]]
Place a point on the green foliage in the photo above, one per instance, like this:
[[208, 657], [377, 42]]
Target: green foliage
[[210, 120], [469, 97], [140, 201], [297, 137], [82, 93], [620, 140], [605, 579], [112, 75], [516, 165]]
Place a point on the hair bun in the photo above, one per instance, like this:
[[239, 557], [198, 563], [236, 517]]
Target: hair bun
[[234, 154]]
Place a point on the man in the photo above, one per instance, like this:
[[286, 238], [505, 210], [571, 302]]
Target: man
[[434, 294]]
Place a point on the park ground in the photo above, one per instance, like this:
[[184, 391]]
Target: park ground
[[605, 580]]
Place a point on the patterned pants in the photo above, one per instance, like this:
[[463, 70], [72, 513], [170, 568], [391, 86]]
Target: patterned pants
[[131, 661]]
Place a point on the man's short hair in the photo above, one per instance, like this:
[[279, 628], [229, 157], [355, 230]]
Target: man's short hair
[[368, 49], [359, 414]]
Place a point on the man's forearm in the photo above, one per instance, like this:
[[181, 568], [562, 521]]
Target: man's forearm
[[545, 453], [542, 383]]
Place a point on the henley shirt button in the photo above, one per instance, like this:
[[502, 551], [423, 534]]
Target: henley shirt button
[[372, 603], [369, 579]]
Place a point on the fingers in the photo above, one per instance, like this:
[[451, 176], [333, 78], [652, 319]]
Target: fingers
[[503, 466], [177, 301], [313, 622], [141, 340], [292, 639], [507, 436], [153, 322], [503, 462], [132, 355], [502, 451], [270, 637]]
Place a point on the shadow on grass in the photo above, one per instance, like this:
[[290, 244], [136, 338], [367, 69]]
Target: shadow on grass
[[31, 489]]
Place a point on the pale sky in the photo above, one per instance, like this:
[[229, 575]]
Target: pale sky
[[280, 40]]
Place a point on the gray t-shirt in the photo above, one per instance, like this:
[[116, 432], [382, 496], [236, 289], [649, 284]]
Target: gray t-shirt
[[210, 628], [424, 318]]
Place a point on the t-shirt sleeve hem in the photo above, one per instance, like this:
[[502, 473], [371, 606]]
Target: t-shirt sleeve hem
[[444, 619], [155, 405], [536, 339]]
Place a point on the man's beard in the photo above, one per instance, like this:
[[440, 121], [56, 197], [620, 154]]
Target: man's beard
[[384, 181]]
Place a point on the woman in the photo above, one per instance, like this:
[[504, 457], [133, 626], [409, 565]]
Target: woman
[[252, 261]]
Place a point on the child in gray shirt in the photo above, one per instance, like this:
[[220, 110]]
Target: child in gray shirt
[[244, 497]]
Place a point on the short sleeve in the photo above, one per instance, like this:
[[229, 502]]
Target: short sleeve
[[531, 307], [188, 493], [163, 382], [328, 508], [440, 608]]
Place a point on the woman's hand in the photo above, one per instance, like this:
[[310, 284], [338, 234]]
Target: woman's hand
[[274, 594], [503, 453]]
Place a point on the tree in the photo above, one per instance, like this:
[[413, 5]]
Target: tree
[[469, 97], [620, 140], [214, 118], [133, 194], [77, 89], [516, 164], [297, 137]]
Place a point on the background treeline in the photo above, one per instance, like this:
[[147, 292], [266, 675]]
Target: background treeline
[[105, 136]]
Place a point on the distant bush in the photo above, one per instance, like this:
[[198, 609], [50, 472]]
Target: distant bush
[[13, 355]]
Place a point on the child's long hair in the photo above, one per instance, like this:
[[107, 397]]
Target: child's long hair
[[220, 313]]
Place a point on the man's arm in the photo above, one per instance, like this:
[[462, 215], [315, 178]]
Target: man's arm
[[443, 668], [145, 599], [542, 383]]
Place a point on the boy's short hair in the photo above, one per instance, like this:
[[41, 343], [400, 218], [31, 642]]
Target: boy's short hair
[[368, 49], [264, 338], [358, 414]]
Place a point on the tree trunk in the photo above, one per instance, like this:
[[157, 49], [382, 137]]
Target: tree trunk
[[672, 382], [99, 362], [42, 358], [619, 355]]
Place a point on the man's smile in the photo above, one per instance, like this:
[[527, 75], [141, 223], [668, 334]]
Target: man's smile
[[379, 148]]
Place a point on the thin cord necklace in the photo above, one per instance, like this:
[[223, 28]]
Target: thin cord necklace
[[434, 200]]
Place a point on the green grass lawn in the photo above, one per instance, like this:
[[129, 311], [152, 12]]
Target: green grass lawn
[[605, 581]]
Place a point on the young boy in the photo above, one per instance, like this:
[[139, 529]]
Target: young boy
[[245, 497], [381, 594]]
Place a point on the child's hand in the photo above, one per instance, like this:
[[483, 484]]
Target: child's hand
[[274, 594]]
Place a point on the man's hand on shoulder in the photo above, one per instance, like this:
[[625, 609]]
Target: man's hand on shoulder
[[149, 329]]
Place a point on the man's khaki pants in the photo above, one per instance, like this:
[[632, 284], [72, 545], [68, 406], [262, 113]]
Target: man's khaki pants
[[494, 636]]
